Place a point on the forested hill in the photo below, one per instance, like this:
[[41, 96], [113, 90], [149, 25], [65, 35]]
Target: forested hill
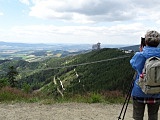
[[107, 69]]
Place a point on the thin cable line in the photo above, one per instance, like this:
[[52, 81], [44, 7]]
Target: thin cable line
[[87, 63], [81, 64]]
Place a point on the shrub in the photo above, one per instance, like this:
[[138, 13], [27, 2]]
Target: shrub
[[12, 94], [96, 98]]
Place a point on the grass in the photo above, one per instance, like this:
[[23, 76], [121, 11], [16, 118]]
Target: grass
[[8, 94]]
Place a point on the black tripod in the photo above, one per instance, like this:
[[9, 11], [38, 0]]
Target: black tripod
[[125, 105]]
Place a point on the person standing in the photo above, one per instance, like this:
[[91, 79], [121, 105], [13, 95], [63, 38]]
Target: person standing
[[140, 99]]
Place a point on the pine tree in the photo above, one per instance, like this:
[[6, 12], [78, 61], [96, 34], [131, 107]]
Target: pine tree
[[12, 73]]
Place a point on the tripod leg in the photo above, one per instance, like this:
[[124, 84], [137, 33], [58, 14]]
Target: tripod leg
[[126, 106], [127, 98], [126, 101]]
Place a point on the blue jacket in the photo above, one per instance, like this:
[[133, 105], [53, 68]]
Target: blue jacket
[[137, 62]]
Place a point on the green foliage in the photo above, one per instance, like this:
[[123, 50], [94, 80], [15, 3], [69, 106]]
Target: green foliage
[[3, 82], [9, 94], [26, 88], [96, 98], [88, 98], [77, 78], [12, 94], [110, 75], [12, 73]]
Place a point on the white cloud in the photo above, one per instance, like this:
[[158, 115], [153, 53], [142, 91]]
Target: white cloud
[[118, 34], [87, 11], [113, 21], [1, 13], [83, 10], [27, 2]]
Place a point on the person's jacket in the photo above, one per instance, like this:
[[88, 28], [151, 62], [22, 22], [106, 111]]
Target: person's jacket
[[137, 62]]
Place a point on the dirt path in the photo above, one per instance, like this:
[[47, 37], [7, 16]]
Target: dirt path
[[65, 111]]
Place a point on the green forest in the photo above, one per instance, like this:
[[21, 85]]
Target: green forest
[[99, 71]]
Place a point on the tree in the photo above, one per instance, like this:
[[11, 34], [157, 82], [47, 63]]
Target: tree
[[12, 73], [3, 82], [26, 87]]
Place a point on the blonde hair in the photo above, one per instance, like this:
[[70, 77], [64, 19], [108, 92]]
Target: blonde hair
[[152, 38]]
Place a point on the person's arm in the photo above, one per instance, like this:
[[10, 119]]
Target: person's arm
[[137, 62]]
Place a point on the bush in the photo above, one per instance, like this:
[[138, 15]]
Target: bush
[[96, 98], [3, 82], [12, 94]]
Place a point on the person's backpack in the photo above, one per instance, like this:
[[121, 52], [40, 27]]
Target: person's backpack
[[149, 80]]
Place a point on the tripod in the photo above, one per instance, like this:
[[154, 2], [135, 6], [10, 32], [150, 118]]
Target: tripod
[[125, 105]]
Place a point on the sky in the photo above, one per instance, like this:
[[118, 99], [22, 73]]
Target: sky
[[78, 21]]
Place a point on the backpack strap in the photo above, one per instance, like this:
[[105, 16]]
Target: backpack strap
[[154, 58]]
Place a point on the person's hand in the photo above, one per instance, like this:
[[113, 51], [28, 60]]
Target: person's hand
[[140, 48]]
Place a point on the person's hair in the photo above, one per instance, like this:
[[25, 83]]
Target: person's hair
[[152, 38]]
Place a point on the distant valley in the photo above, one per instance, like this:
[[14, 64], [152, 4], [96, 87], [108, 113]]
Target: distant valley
[[38, 52]]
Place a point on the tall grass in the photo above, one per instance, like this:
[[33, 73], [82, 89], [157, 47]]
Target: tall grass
[[8, 94], [103, 97]]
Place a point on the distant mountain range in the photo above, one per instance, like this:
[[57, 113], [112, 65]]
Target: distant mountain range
[[134, 48], [41, 46], [38, 52]]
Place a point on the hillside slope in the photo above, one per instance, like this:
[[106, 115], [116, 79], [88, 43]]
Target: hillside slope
[[107, 69]]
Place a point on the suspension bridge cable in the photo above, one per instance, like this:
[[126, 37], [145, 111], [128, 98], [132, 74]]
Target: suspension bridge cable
[[81, 64], [87, 63]]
